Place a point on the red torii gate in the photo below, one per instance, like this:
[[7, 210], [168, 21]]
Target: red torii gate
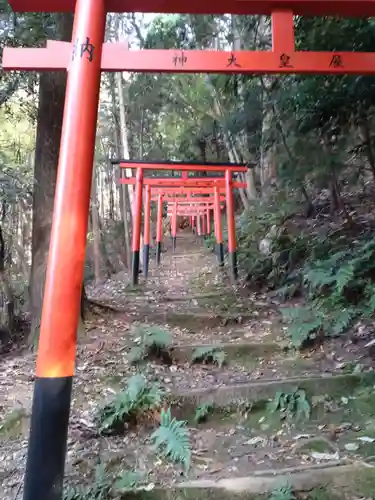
[[57, 345]]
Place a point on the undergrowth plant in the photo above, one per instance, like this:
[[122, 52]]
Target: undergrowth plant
[[137, 401], [283, 492], [202, 412], [291, 404], [209, 354], [104, 486], [339, 288], [171, 440], [100, 489], [152, 342]]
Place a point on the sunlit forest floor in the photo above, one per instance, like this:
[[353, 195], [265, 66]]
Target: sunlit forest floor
[[269, 412]]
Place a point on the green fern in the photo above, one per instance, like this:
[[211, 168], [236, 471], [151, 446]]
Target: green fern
[[137, 398], [171, 440], [209, 354], [291, 404], [128, 480], [99, 489], [283, 492], [202, 412], [153, 341]]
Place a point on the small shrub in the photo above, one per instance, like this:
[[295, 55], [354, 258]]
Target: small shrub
[[209, 354], [283, 492], [171, 440], [152, 342], [202, 412], [138, 400], [128, 481], [100, 489], [291, 404]]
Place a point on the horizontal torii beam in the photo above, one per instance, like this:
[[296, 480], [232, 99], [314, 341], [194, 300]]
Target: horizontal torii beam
[[191, 200], [188, 183], [116, 57], [355, 8], [178, 166], [193, 211], [188, 191]]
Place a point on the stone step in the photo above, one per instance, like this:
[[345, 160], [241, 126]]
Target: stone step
[[233, 350], [260, 390], [356, 479]]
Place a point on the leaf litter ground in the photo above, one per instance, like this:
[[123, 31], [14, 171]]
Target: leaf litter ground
[[231, 443]]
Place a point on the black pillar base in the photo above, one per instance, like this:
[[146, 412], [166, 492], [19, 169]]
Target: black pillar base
[[135, 268], [158, 252], [232, 257], [174, 242], [220, 254], [48, 439], [146, 258]]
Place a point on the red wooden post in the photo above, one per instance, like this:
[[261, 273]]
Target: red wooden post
[[208, 214], [199, 225], [137, 225], [159, 228], [231, 224], [174, 226], [62, 294], [146, 229], [219, 229]]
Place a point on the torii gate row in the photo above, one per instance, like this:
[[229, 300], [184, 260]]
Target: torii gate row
[[58, 330], [191, 205], [201, 211], [140, 181]]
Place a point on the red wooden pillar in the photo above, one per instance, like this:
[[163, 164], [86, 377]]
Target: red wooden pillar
[[203, 224], [219, 228], [137, 225], [231, 224], [199, 225], [159, 228], [174, 225], [146, 230], [208, 214], [63, 288]]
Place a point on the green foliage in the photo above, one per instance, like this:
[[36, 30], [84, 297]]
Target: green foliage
[[171, 440], [209, 354], [152, 342], [272, 267], [129, 406], [283, 492], [128, 480], [104, 486], [291, 404], [202, 412], [339, 289], [100, 488]]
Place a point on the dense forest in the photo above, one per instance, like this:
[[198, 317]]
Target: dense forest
[[305, 222], [309, 139]]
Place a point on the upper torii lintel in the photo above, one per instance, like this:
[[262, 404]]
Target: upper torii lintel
[[354, 8]]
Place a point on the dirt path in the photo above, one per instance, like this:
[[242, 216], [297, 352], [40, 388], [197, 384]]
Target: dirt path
[[191, 299]]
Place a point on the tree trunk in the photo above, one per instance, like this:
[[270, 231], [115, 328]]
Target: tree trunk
[[127, 194], [95, 230], [365, 136], [7, 290], [50, 115]]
